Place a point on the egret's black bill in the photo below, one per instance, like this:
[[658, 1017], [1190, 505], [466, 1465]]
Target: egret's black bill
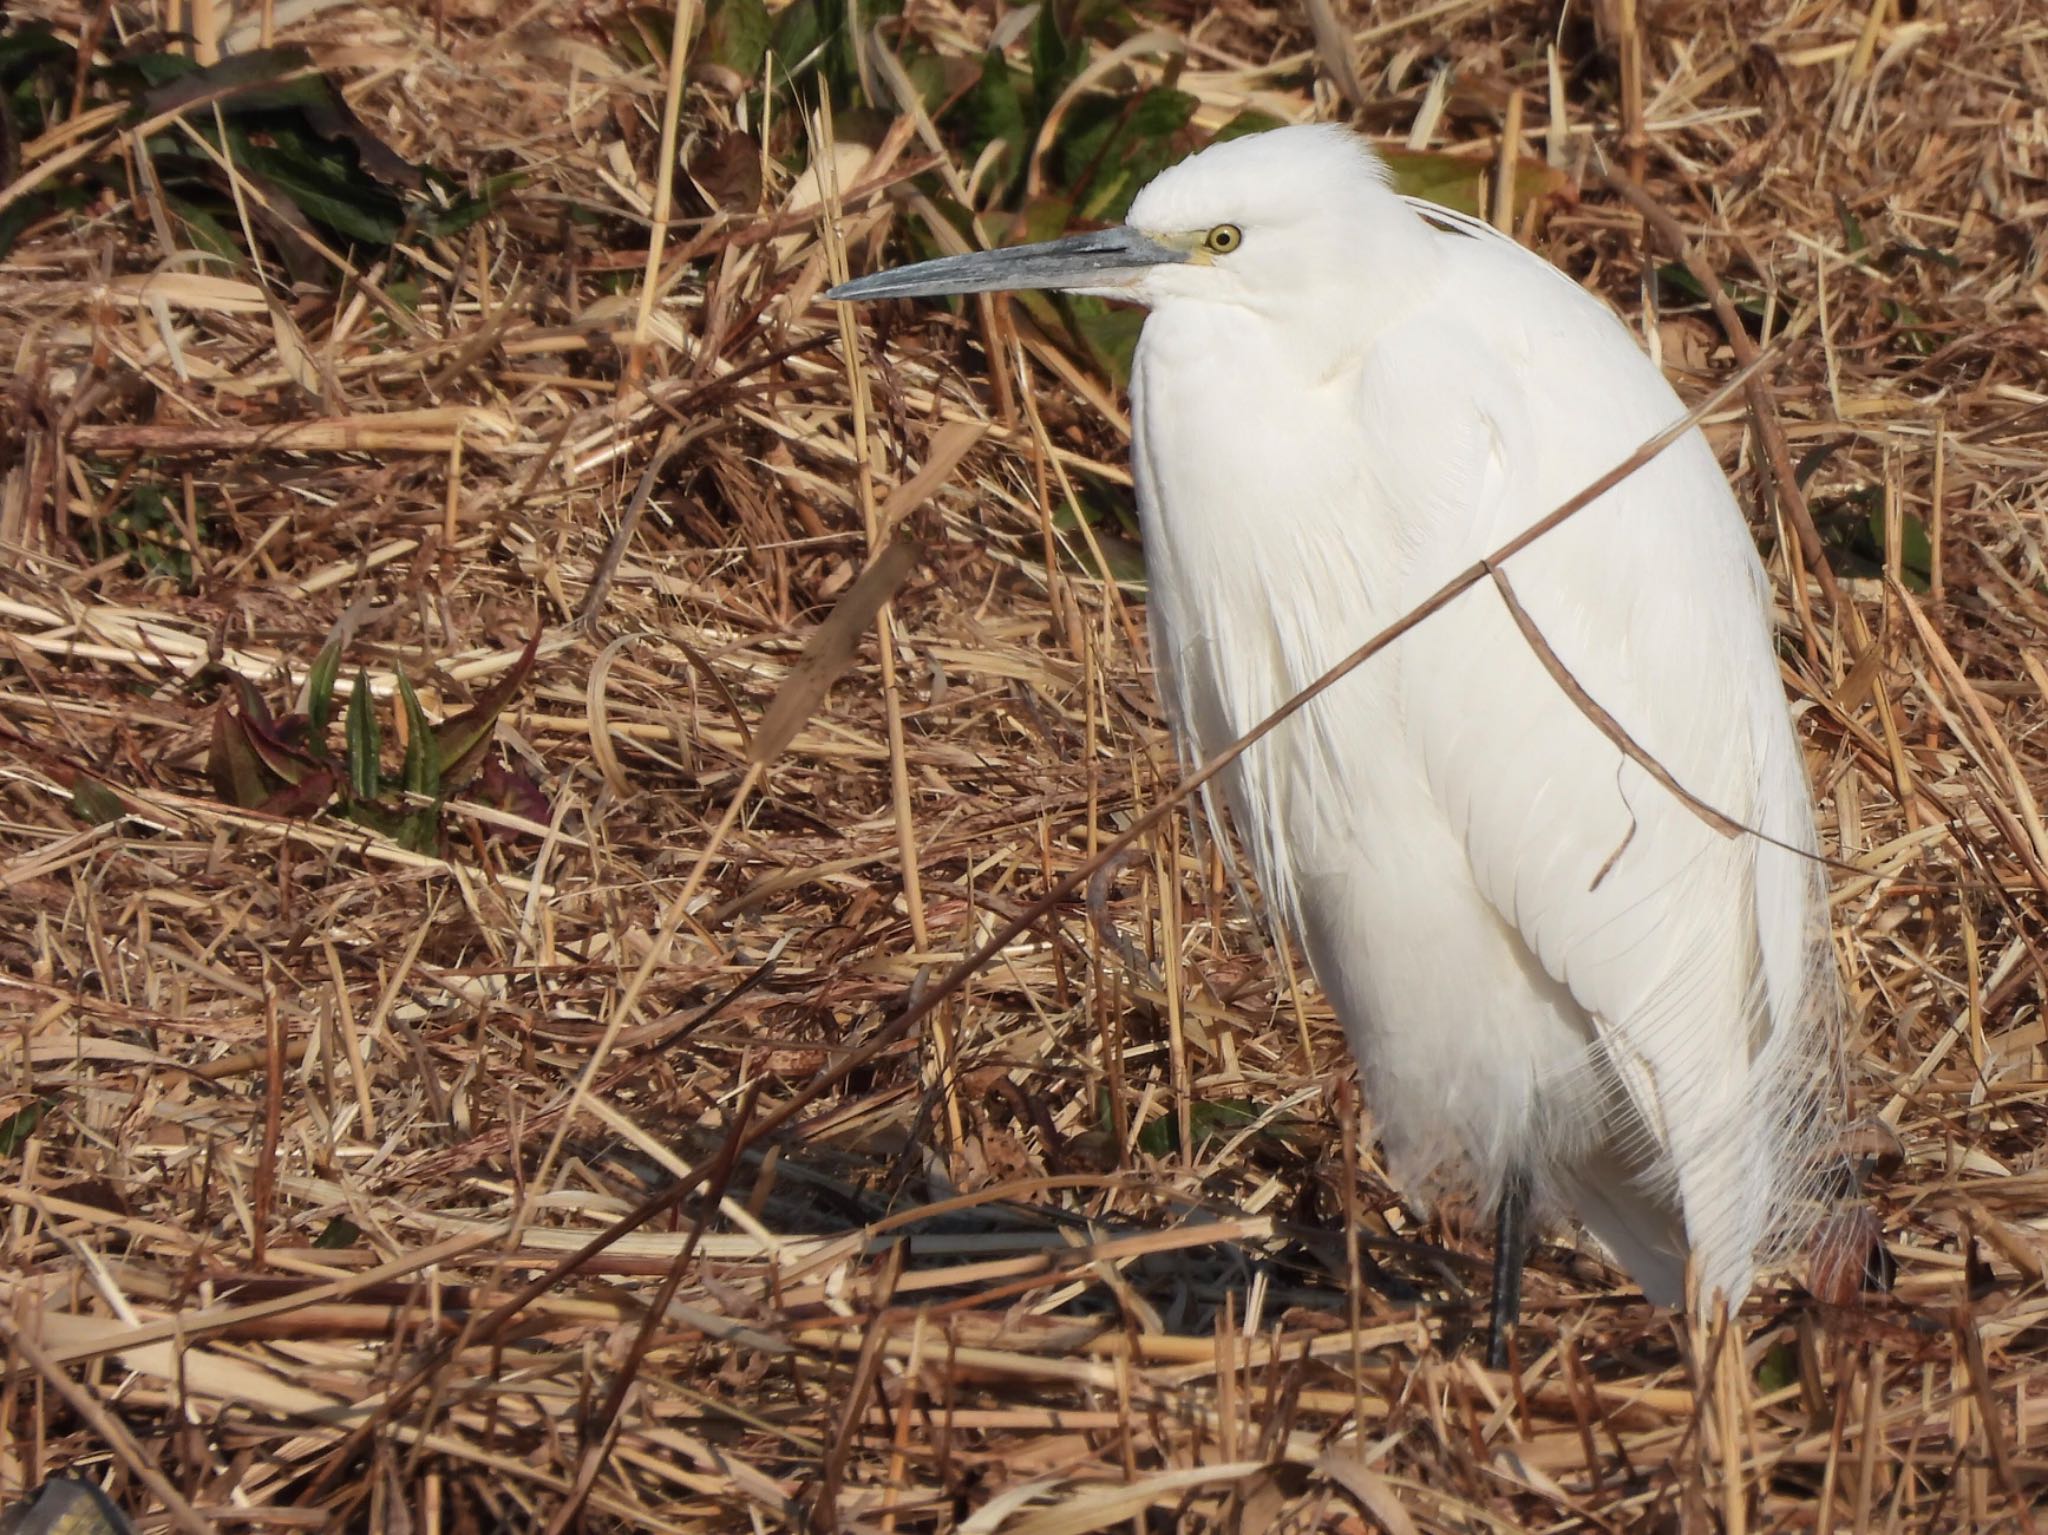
[[1091, 260]]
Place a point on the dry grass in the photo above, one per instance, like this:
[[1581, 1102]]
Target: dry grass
[[318, 1222]]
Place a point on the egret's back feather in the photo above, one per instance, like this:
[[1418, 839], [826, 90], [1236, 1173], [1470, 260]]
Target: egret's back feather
[[1542, 956]]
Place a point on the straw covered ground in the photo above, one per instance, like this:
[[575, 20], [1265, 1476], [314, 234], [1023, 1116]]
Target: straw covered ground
[[543, 1088]]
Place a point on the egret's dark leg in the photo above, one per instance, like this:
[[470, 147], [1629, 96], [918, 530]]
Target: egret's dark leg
[[1510, 1248]]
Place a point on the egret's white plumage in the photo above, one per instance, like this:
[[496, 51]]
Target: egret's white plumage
[[1548, 965]]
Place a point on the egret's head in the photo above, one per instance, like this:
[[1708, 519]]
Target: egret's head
[[1256, 222]]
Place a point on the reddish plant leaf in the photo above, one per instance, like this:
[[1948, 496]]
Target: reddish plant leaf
[[307, 797], [461, 740], [513, 791], [280, 744], [233, 765], [279, 741], [251, 697]]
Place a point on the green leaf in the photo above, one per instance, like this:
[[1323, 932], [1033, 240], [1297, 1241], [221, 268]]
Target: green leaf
[[1106, 513], [736, 36], [1916, 550], [1109, 151], [1046, 218], [1778, 1368], [1054, 60], [1446, 180], [994, 113], [816, 35], [320, 680], [206, 232], [1908, 322], [22, 215], [632, 32], [466, 209], [926, 72], [1812, 461], [1113, 523], [381, 819], [144, 527], [151, 69], [799, 33], [365, 744], [422, 759], [271, 83], [239, 81], [28, 47], [1110, 333], [1851, 524], [1451, 181], [94, 803], [1440, 179], [1854, 241], [339, 1232], [1929, 253], [1158, 114], [1206, 1121], [351, 205], [37, 69], [17, 1127], [1747, 299], [418, 829], [1248, 121]]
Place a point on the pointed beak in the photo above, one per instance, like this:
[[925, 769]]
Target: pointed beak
[[1105, 259]]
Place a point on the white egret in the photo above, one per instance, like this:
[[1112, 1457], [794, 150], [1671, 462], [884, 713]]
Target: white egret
[[1565, 988]]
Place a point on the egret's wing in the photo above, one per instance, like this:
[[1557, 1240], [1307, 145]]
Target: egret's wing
[[1692, 952], [1187, 673], [1454, 221], [1185, 678]]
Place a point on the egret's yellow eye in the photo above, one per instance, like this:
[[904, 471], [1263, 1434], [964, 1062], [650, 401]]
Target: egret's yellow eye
[[1223, 239]]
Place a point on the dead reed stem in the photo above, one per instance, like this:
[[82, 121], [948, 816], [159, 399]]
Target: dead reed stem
[[596, 1162]]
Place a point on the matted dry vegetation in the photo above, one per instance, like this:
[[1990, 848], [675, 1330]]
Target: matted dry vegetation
[[317, 1148]]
